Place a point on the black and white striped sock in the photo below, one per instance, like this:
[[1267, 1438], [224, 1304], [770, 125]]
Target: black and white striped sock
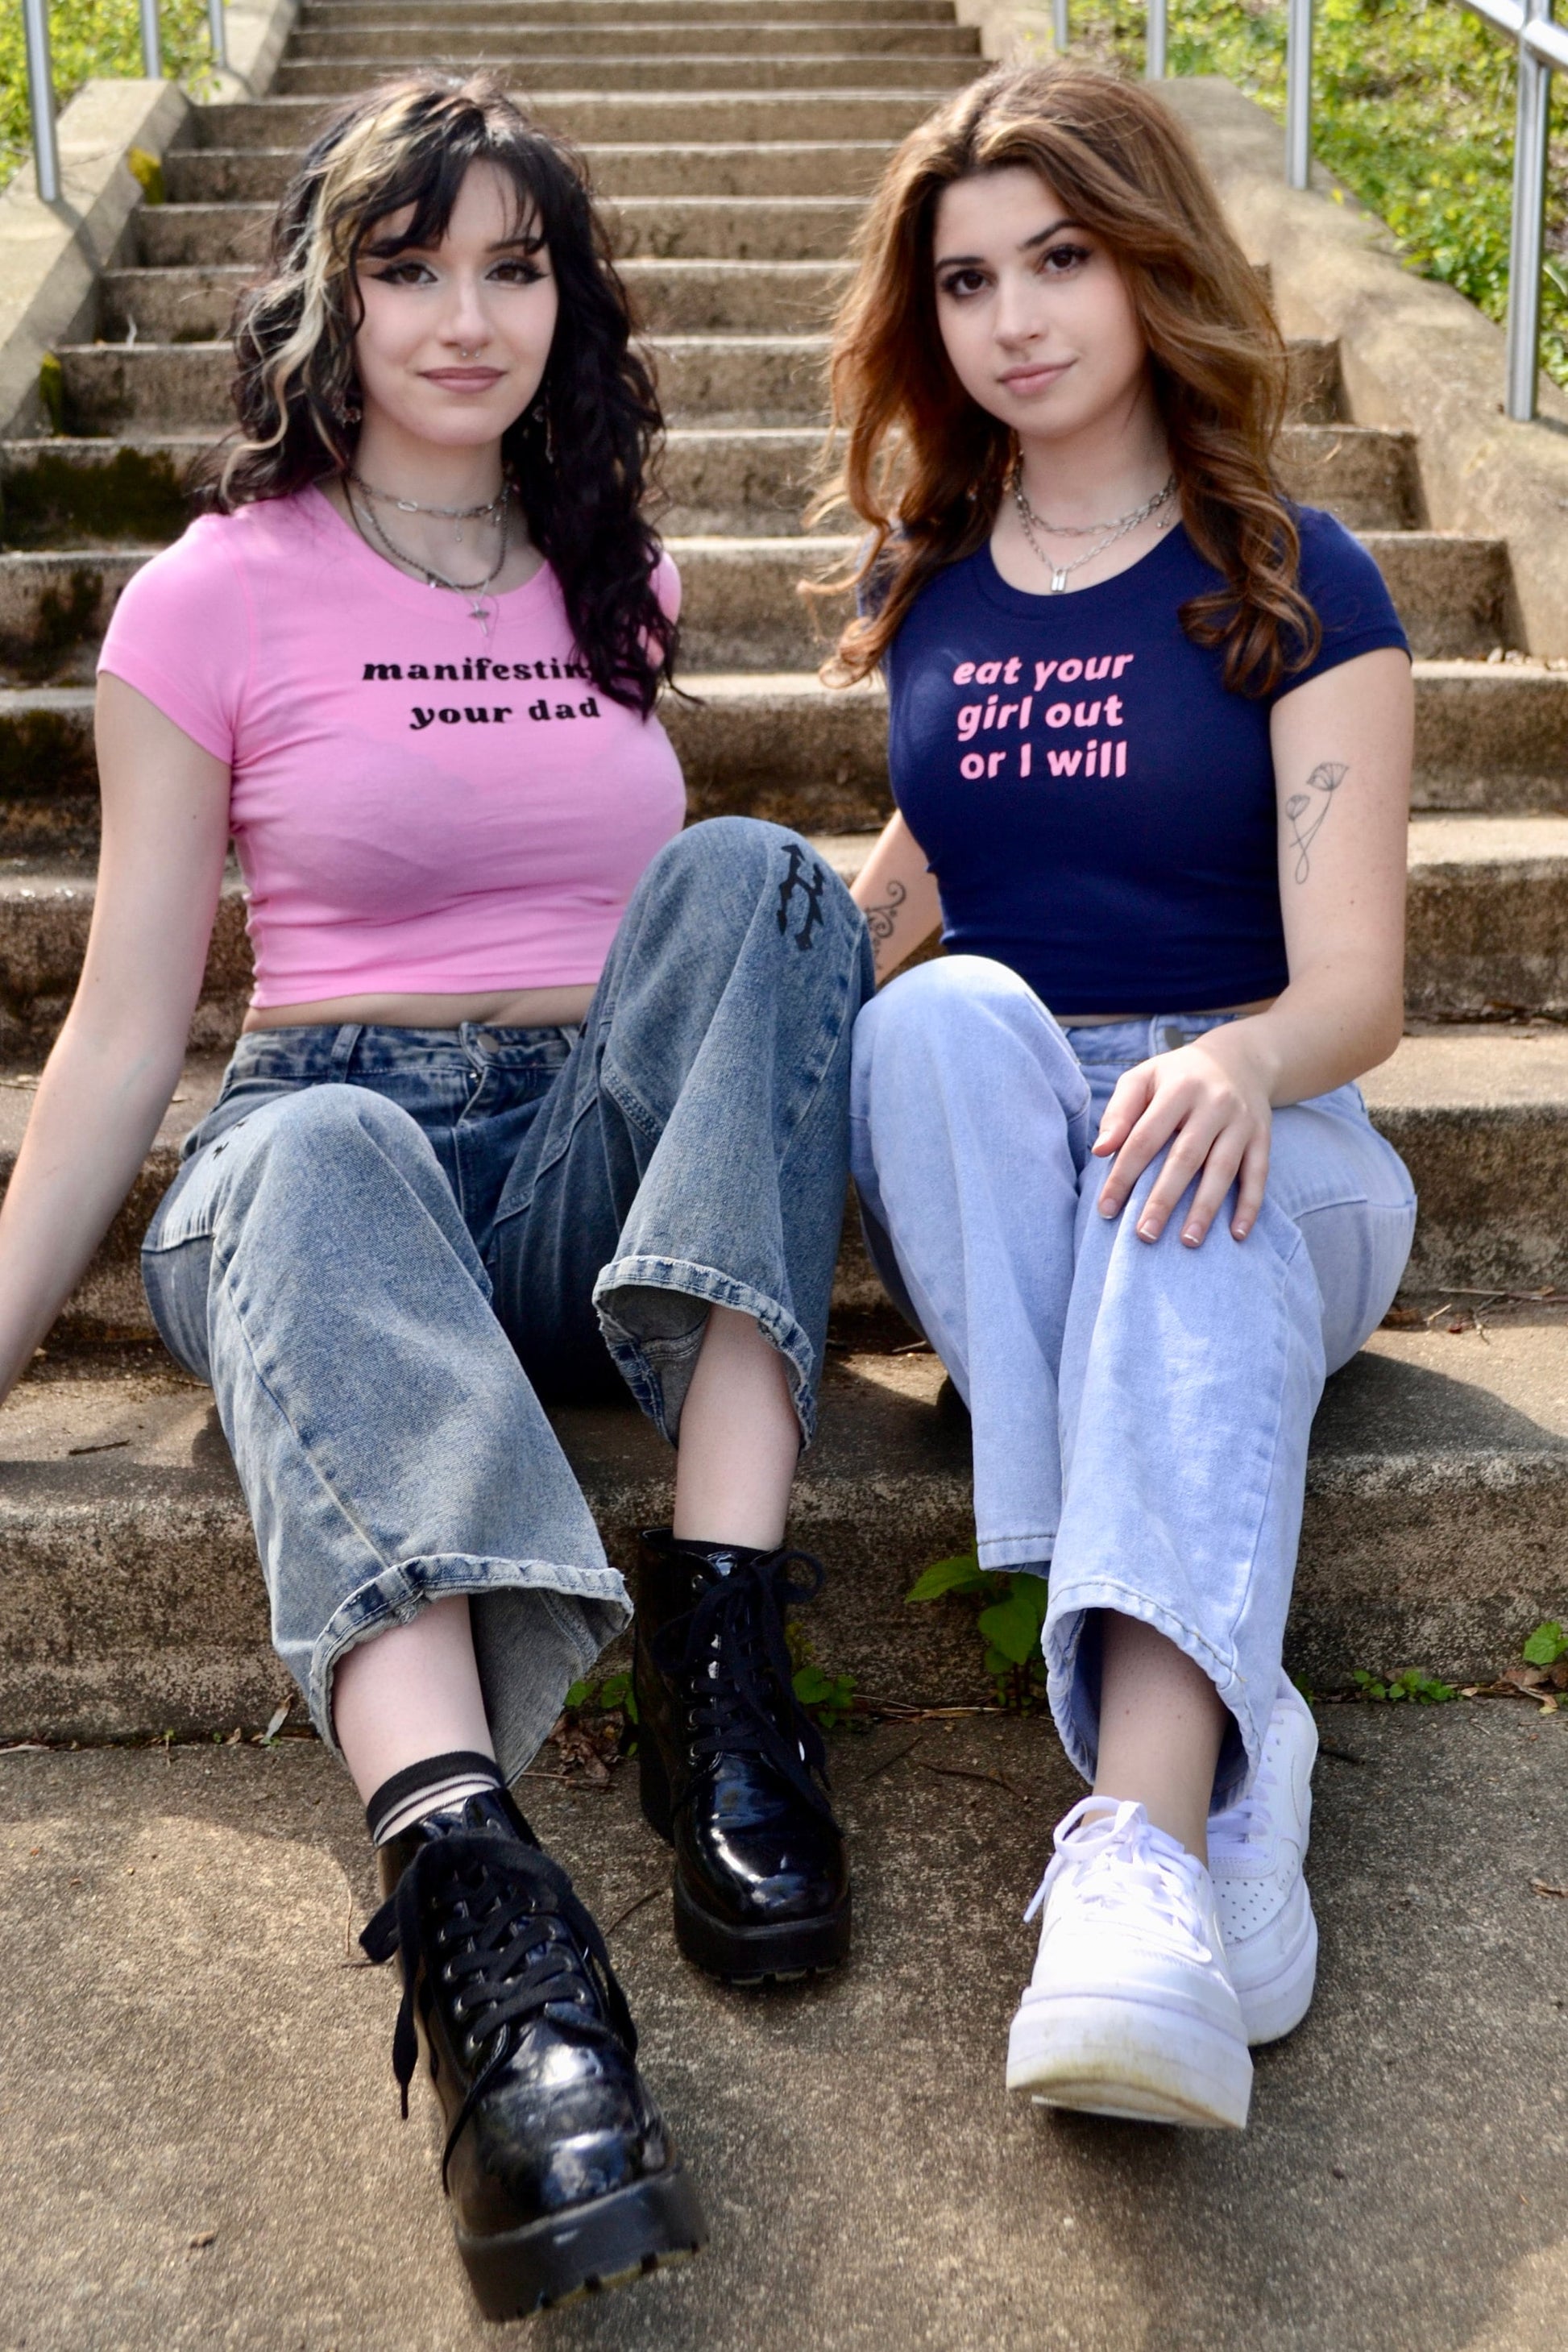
[[428, 1786]]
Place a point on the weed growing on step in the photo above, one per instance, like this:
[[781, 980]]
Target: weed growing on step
[[1413, 111], [1008, 1625], [1547, 1646], [1413, 1686], [94, 37]]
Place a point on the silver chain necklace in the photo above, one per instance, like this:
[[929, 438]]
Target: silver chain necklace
[[490, 512], [1118, 528], [474, 589]]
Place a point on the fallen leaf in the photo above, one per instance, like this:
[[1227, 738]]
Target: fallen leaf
[[1404, 1318], [204, 2238], [275, 1724], [1544, 1886], [1525, 1678]]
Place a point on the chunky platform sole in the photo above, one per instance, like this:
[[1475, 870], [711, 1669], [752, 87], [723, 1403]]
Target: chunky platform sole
[[739, 1955], [588, 2248], [1110, 2057], [1278, 2002]]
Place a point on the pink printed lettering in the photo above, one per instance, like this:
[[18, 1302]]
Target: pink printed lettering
[[1095, 670], [963, 673], [1024, 709], [1025, 758], [971, 767], [968, 720], [1010, 675], [1068, 671], [1042, 674], [1059, 714], [1086, 715], [998, 759], [1114, 710], [1122, 662], [989, 673], [1065, 763], [1121, 757]]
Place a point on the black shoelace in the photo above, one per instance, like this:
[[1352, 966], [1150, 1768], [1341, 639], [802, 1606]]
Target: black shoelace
[[732, 1660], [514, 1942]]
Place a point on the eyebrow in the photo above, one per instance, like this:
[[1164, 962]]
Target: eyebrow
[[951, 260], [387, 249]]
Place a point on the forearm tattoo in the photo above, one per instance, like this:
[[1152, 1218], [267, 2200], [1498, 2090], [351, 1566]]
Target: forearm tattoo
[[1305, 813], [880, 920]]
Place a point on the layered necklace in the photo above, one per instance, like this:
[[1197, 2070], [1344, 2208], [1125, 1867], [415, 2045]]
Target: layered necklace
[[494, 511], [1116, 528]]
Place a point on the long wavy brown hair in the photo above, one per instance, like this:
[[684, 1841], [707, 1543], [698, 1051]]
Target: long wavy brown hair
[[925, 466]]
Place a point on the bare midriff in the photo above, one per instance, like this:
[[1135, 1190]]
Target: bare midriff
[[517, 1008], [1213, 1012]]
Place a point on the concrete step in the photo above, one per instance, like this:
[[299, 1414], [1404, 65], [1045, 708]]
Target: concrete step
[[194, 302], [460, 34], [46, 908], [741, 608], [574, 15], [131, 1602], [690, 228], [596, 116], [719, 479], [538, 78], [808, 169], [1480, 1116], [778, 744]]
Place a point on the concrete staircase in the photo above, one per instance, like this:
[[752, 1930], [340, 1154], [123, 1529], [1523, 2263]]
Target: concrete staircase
[[732, 148]]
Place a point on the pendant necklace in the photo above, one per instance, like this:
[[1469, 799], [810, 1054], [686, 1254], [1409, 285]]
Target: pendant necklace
[[490, 512], [478, 609], [1114, 530]]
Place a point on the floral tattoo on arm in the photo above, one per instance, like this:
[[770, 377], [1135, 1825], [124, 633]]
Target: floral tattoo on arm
[[881, 921], [1305, 809]]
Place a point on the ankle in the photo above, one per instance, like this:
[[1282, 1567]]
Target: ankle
[[434, 1785], [1180, 1819]]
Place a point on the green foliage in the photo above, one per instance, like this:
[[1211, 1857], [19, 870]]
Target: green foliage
[[94, 37], [1413, 108], [52, 391], [1009, 1625], [829, 1699], [147, 171], [1422, 1690], [613, 1695], [1546, 1644]]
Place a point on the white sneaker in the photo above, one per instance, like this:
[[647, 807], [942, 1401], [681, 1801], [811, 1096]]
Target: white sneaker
[[1130, 2011], [1256, 1849]]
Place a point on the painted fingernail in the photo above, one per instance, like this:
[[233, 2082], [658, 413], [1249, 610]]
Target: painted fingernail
[[1149, 1231]]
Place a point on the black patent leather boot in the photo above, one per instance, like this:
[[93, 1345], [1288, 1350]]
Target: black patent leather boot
[[561, 2175], [733, 1772]]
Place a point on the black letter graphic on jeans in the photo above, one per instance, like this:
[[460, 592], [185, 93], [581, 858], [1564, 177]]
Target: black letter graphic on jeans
[[811, 891]]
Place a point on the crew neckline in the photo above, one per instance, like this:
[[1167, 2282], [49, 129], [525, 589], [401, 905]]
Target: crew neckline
[[414, 594], [1001, 592]]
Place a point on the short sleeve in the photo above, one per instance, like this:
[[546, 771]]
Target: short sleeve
[[1348, 593], [666, 586], [181, 634]]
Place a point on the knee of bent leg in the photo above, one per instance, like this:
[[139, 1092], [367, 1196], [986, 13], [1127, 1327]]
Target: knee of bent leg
[[730, 862], [940, 1006], [331, 1128]]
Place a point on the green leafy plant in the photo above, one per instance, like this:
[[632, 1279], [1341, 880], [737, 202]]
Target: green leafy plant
[[1421, 1690], [1413, 111], [95, 37], [1546, 1645], [614, 1693], [829, 1699], [1009, 1625]]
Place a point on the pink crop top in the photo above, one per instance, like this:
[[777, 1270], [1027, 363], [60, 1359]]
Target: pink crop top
[[418, 808]]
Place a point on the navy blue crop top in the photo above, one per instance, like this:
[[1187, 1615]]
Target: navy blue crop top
[[1098, 808]]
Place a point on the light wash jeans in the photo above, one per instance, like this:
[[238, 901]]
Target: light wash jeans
[[1141, 1411], [385, 1244]]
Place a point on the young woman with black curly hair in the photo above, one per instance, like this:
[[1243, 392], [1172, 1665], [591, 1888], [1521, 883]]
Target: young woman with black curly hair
[[537, 1096], [1150, 729]]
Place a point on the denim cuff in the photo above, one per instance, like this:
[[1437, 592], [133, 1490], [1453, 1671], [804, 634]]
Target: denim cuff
[[656, 1365]]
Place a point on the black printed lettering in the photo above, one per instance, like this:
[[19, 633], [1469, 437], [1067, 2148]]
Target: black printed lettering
[[381, 669]]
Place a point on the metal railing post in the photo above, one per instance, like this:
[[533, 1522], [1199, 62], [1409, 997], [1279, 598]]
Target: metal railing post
[[1060, 26], [1298, 95], [1154, 41], [1527, 237], [41, 99], [152, 43], [215, 28]]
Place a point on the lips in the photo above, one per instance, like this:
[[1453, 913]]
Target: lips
[[1034, 379], [464, 378]]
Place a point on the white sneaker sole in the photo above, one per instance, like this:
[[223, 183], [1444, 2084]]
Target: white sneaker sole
[[1275, 2005], [1110, 2057]]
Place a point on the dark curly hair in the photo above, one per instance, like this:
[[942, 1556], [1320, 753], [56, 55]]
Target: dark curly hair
[[411, 143]]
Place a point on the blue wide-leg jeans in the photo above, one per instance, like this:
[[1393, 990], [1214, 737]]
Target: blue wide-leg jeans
[[1141, 1410], [385, 1245]]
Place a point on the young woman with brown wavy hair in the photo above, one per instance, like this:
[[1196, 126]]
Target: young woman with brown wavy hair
[[1151, 732], [539, 1095]]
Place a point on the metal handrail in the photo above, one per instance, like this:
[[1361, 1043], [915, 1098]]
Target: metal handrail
[[41, 75], [1542, 49]]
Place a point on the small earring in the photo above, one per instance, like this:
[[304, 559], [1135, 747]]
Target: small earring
[[345, 408], [540, 416]]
